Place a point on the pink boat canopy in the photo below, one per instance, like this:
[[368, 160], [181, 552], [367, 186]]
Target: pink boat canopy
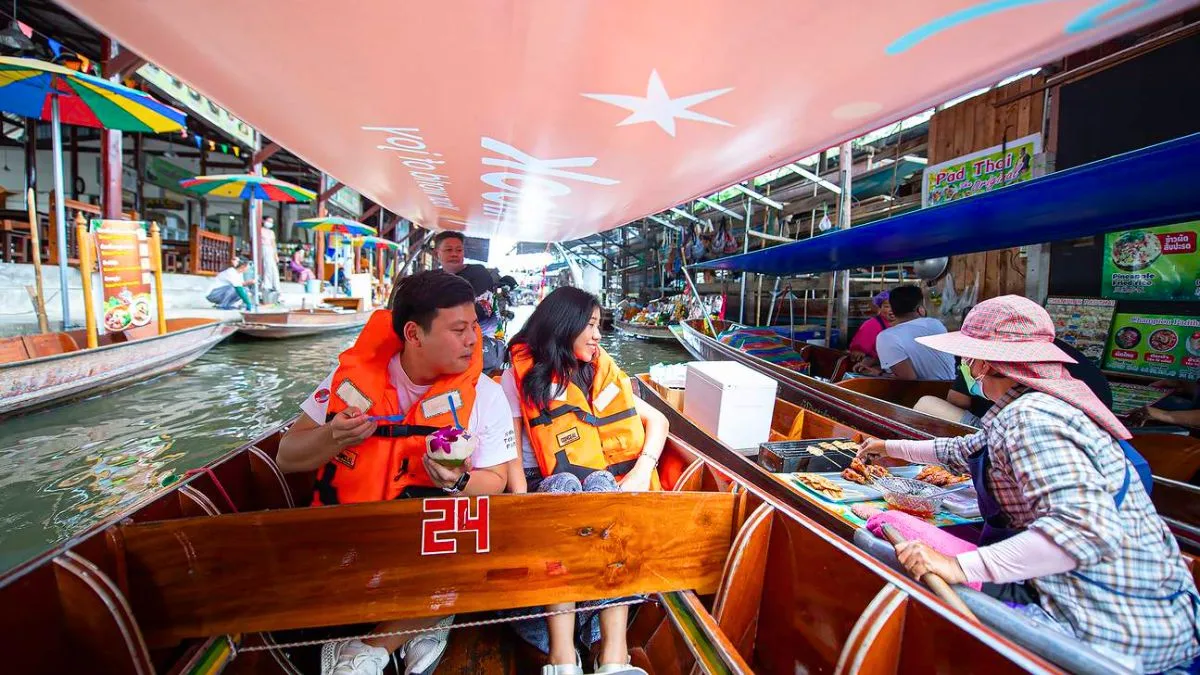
[[548, 120]]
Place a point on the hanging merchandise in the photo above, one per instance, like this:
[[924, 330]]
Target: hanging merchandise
[[825, 225]]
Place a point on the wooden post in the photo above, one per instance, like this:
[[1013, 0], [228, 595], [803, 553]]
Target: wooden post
[[319, 239], [156, 267], [35, 237], [85, 272], [110, 143]]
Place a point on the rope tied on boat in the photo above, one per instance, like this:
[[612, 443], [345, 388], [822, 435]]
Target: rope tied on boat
[[435, 628], [215, 481]]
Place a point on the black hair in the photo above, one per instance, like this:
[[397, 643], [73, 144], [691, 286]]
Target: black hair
[[550, 334], [418, 298], [447, 234], [240, 262], [905, 299]]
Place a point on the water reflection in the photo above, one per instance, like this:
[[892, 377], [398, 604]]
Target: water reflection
[[71, 466]]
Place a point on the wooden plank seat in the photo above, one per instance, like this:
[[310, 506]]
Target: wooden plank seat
[[24, 347]]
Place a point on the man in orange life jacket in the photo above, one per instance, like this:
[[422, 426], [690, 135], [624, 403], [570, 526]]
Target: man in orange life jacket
[[409, 365]]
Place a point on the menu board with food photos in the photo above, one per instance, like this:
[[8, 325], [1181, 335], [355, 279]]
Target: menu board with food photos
[[1153, 263], [123, 252], [1155, 344], [1082, 323]]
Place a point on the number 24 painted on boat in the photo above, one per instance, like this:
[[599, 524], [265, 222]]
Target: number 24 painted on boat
[[437, 533]]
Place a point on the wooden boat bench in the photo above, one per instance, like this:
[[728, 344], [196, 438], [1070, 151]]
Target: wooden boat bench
[[22, 347]]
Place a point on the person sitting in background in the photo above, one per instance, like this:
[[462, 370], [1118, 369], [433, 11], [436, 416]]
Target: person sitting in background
[[1180, 409], [230, 287], [899, 352], [862, 347], [962, 407], [300, 272]]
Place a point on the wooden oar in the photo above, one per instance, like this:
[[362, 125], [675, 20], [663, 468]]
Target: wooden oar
[[935, 583], [36, 243]]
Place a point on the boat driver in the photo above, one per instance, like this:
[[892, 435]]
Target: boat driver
[[1070, 535], [417, 364], [449, 247]]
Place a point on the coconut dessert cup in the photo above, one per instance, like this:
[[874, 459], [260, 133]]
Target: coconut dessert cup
[[450, 446]]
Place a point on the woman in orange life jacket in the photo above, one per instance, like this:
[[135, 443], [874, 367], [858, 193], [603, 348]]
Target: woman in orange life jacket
[[591, 435]]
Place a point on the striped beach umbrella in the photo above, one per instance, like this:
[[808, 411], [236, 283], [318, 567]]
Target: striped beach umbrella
[[375, 242], [247, 186], [335, 225], [29, 87], [46, 91]]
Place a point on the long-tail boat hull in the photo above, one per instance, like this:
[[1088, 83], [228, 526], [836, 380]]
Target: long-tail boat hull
[[299, 323], [739, 579], [648, 333], [67, 372]]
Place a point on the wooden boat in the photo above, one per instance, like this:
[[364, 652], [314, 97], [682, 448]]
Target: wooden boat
[[739, 579], [50, 368], [1177, 502], [648, 333], [300, 322]]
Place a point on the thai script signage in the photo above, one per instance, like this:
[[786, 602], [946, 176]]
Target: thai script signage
[[1154, 344], [198, 104], [981, 171], [123, 254], [1153, 263]]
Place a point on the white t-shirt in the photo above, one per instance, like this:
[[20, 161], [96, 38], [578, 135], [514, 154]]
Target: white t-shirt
[[229, 277], [899, 343], [508, 381], [491, 419]]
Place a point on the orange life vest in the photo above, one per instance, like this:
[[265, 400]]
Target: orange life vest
[[382, 466], [582, 434]]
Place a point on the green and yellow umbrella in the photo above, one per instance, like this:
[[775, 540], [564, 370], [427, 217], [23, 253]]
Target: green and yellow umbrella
[[247, 186], [46, 91], [376, 242], [336, 225], [29, 87]]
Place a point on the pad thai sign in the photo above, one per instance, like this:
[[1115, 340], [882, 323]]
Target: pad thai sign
[[1154, 344], [123, 252], [981, 171], [1154, 263]]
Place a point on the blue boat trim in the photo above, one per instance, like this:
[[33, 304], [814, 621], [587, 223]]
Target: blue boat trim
[[1152, 186]]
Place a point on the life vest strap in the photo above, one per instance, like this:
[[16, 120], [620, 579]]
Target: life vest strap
[[403, 430], [548, 416]]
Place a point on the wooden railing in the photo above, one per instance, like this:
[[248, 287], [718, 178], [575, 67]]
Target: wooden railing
[[73, 209], [210, 252]]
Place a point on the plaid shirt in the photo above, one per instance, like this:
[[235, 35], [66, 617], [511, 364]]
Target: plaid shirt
[[1053, 470]]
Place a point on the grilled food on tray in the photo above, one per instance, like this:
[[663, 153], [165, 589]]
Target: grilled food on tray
[[940, 476], [821, 484], [861, 473]]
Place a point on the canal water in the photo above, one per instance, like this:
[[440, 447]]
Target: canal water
[[66, 468]]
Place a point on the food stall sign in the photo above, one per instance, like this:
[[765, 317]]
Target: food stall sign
[[1153, 263], [1083, 323], [1155, 344], [981, 171], [123, 253]]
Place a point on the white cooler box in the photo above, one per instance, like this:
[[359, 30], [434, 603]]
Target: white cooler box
[[730, 401]]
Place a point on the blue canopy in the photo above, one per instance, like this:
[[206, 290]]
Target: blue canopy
[[1158, 185]]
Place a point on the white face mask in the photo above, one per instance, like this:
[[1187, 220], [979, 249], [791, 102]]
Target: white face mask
[[270, 225]]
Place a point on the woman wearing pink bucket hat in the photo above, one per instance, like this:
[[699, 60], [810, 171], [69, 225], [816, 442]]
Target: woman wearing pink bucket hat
[[1065, 499]]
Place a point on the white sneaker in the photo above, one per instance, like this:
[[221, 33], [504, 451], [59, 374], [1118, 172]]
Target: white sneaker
[[352, 658], [569, 669], [422, 653], [616, 669]]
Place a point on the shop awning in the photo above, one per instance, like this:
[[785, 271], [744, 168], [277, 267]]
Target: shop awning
[[1152, 186], [549, 120]]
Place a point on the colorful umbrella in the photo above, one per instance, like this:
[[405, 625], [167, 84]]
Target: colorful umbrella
[[49, 92], [336, 225], [28, 88], [375, 242], [247, 186]]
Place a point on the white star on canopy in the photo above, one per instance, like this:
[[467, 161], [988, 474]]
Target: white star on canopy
[[657, 106]]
